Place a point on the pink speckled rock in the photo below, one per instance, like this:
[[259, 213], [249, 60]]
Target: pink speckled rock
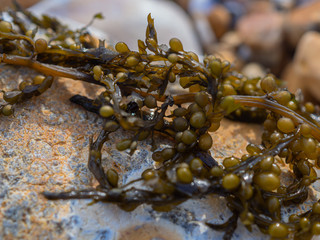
[[45, 147]]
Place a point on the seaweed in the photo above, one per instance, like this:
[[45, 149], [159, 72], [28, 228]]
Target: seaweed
[[251, 185]]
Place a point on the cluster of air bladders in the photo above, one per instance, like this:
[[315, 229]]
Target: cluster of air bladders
[[136, 100]]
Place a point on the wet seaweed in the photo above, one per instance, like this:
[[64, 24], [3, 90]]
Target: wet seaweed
[[136, 99]]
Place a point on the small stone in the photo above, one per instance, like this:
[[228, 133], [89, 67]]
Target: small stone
[[260, 7], [226, 52], [231, 38], [220, 20], [286, 5], [262, 33], [289, 76], [306, 63], [170, 19], [253, 70], [301, 20]]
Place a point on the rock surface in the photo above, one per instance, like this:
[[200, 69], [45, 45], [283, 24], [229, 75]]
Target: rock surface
[[45, 147]]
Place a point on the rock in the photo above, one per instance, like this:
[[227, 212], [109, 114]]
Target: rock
[[236, 8], [24, 3], [253, 70], [184, 4], [220, 20], [262, 33], [290, 78], [285, 4], [225, 52], [41, 153], [306, 63], [203, 29], [127, 20], [226, 49], [301, 20], [260, 7], [232, 39]]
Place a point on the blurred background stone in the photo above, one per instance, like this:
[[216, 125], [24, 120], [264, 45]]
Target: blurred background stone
[[265, 32], [25, 3], [253, 70], [300, 20], [126, 20], [261, 6], [220, 20], [306, 63], [262, 33]]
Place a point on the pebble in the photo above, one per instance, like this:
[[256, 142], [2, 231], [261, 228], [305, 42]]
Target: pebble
[[262, 33], [301, 20], [253, 70], [306, 63], [220, 20], [126, 20]]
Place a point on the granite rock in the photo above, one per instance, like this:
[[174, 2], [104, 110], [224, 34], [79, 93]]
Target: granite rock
[[45, 147]]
